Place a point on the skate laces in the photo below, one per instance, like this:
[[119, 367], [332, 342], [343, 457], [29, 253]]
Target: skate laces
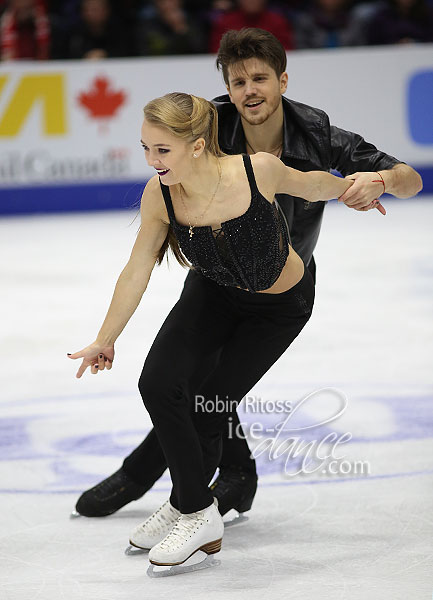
[[162, 518], [183, 528]]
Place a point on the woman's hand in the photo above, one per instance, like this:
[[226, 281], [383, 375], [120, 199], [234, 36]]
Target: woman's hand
[[96, 356], [365, 193]]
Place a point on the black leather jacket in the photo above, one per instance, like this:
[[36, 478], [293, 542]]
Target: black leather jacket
[[310, 143]]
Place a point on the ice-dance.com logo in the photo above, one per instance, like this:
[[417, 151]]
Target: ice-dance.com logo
[[291, 440]]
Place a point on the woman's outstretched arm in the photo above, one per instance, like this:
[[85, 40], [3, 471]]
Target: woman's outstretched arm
[[134, 278], [131, 283], [312, 185]]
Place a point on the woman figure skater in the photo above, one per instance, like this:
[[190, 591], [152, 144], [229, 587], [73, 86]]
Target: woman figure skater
[[250, 297]]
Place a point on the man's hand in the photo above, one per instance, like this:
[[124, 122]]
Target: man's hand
[[365, 191], [366, 188]]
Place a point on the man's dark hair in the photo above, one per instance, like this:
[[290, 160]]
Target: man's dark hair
[[250, 42]]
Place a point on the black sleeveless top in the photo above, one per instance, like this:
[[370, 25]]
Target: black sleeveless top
[[248, 251]]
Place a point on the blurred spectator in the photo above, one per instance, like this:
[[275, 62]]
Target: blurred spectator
[[41, 29], [97, 34], [64, 9], [402, 21], [64, 18], [252, 13], [290, 7], [169, 29], [24, 31], [196, 6], [329, 24]]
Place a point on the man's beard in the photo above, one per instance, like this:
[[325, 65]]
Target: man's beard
[[252, 120]]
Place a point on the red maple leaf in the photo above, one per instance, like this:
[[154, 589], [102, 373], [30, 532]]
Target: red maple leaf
[[101, 101]]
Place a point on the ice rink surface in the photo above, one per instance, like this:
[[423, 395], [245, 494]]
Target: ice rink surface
[[357, 536]]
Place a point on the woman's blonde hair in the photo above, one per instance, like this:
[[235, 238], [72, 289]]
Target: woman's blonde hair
[[189, 118]]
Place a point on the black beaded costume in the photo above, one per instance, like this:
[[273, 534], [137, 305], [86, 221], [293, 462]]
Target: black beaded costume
[[248, 251]]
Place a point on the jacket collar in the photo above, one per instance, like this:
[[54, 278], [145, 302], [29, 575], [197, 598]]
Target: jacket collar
[[232, 135]]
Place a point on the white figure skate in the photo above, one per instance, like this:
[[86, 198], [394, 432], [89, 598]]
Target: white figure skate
[[153, 530], [202, 530]]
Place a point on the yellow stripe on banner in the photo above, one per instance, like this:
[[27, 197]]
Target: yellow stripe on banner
[[46, 90], [3, 79]]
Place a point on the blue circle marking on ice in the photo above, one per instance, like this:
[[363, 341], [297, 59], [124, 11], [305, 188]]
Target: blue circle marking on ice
[[39, 439]]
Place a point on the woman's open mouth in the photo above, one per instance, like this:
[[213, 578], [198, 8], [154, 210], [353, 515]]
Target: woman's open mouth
[[162, 172]]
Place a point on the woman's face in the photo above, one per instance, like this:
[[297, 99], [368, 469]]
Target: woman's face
[[169, 155]]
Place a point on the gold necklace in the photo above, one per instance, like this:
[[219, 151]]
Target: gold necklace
[[279, 147], [191, 227]]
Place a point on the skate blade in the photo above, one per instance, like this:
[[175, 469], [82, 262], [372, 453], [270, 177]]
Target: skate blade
[[237, 519], [134, 551], [169, 571], [74, 515]]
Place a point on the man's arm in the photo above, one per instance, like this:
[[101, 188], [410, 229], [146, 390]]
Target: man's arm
[[401, 181], [361, 161]]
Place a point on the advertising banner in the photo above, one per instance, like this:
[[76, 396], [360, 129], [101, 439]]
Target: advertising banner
[[70, 130]]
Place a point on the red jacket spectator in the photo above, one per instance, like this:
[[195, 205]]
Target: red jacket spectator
[[24, 31], [252, 13]]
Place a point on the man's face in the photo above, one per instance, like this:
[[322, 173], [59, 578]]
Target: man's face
[[255, 89]]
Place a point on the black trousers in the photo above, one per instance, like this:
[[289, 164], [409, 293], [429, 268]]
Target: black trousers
[[250, 332], [147, 463]]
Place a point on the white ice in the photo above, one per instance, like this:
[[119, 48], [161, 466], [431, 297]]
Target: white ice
[[354, 536]]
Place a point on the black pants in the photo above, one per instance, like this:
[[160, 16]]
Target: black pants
[[146, 463], [250, 332]]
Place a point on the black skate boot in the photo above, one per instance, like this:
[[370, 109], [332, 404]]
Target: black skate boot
[[234, 488], [108, 496]]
